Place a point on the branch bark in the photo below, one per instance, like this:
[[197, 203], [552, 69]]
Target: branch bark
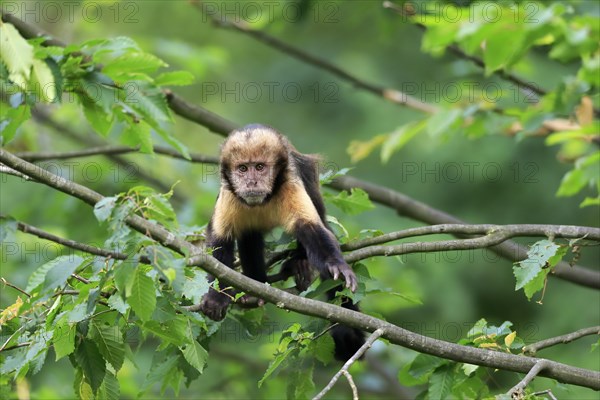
[[569, 337], [452, 351]]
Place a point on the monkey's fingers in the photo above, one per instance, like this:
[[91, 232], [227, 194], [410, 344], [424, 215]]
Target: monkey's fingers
[[350, 278]]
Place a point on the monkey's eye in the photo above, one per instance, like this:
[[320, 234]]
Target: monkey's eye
[[260, 166], [243, 168]]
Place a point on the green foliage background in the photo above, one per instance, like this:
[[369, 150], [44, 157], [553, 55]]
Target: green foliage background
[[454, 290]]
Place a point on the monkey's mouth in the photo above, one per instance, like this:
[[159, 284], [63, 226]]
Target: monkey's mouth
[[254, 198]]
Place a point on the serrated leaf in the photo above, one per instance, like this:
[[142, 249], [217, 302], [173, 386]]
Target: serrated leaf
[[110, 344], [142, 298], [440, 383], [129, 62], [104, 208], [92, 364], [175, 78], [195, 354], [160, 368], [63, 339], [174, 331], [100, 120], [110, 389], [116, 302], [195, 287], [424, 364], [101, 90], [42, 81], [538, 255], [16, 54], [354, 203], [279, 358], [323, 348], [62, 268], [138, 134]]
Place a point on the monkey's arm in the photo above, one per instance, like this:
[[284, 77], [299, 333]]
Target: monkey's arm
[[323, 251], [251, 248], [214, 303]]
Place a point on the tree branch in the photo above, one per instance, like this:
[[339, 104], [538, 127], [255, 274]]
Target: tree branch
[[533, 348], [344, 370], [561, 231], [392, 95], [452, 351], [86, 248], [516, 392], [419, 211]]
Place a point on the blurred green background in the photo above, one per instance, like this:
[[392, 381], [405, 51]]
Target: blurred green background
[[494, 179]]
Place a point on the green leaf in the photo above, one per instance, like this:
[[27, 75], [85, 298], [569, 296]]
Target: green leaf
[[138, 134], [175, 78], [359, 150], [539, 255], [142, 298], [174, 331], [110, 343], [16, 54], [63, 339], [195, 286], [572, 183], [279, 358], [195, 354], [92, 364], [160, 368], [440, 383], [590, 201], [129, 63], [100, 120], [399, 138], [42, 81], [109, 390], [443, 121], [423, 365], [101, 90], [12, 120], [354, 203], [103, 209], [323, 348], [62, 269], [116, 302], [300, 384], [499, 51]]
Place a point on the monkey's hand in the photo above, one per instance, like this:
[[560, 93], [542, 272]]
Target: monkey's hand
[[214, 305], [300, 269], [344, 269]]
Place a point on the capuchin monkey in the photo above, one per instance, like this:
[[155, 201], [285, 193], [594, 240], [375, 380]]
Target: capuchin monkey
[[267, 183]]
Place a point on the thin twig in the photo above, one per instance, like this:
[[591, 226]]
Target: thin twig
[[547, 392], [86, 248], [516, 391], [344, 370], [7, 283], [392, 95], [533, 348], [16, 346]]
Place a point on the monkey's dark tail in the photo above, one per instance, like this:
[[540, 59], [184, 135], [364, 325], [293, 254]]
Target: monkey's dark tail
[[347, 340]]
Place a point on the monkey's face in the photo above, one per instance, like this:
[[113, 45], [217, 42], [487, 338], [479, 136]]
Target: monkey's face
[[253, 181]]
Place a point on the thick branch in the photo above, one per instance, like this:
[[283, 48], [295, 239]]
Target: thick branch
[[569, 337], [452, 351], [392, 95]]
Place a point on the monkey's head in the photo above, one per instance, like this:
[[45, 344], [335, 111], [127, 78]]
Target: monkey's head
[[254, 162]]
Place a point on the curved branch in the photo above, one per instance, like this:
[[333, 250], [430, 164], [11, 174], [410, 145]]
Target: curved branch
[[516, 392], [569, 337], [452, 351]]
